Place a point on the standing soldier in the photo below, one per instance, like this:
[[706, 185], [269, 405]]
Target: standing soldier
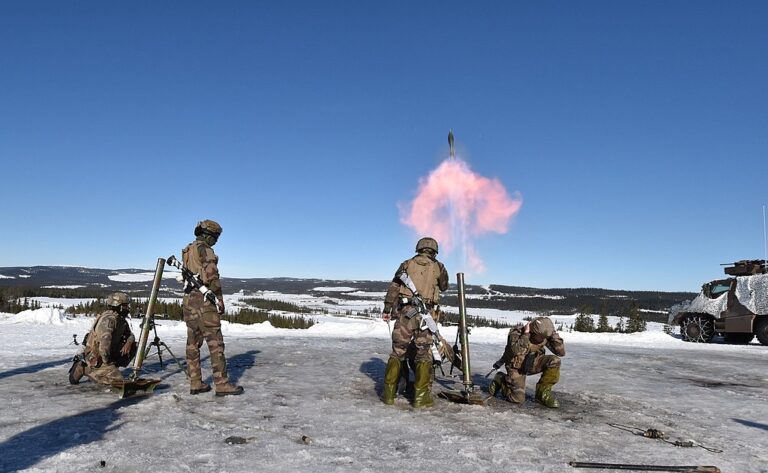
[[524, 355], [430, 277], [109, 345], [203, 319]]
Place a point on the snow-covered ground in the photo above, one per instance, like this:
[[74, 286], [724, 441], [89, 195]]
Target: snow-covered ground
[[323, 383]]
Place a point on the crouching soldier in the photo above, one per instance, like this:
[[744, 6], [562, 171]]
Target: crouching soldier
[[108, 346], [525, 355]]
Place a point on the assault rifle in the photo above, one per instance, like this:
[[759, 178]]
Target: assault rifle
[[426, 318], [193, 280]]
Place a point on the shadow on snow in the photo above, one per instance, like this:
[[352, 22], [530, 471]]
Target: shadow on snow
[[27, 448], [34, 368]]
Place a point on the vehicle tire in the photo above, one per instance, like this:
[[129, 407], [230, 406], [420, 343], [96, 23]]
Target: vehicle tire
[[739, 338], [697, 328], [761, 330]]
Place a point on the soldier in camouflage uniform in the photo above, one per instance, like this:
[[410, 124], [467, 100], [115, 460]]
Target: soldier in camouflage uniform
[[429, 277], [109, 345], [524, 355], [203, 319]]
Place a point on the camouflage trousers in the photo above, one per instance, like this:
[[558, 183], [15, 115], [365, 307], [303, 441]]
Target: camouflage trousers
[[406, 331], [204, 324], [515, 377], [104, 374]]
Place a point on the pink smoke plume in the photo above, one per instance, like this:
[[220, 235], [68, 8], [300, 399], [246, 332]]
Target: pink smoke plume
[[456, 205]]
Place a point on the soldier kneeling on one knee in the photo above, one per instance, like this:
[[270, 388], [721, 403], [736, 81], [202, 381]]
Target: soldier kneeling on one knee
[[108, 346], [524, 355]]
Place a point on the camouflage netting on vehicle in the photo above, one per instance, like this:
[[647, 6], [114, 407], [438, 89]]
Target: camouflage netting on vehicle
[[752, 291], [701, 305]]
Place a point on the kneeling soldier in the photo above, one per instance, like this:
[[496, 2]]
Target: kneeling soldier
[[524, 355], [109, 345]]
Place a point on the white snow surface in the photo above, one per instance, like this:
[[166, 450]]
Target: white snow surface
[[3, 276], [140, 277], [323, 383]]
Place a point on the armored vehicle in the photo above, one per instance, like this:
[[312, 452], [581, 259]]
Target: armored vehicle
[[736, 307]]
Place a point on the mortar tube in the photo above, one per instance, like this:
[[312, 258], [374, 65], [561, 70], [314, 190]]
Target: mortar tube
[[147, 321], [468, 386]]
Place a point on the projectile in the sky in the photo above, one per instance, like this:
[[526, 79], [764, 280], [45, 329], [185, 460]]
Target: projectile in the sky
[[450, 143]]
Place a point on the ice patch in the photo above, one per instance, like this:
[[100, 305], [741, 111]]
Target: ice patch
[[3, 276]]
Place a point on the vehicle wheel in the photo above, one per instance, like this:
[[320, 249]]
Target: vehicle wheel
[[697, 328], [739, 338], [761, 330]]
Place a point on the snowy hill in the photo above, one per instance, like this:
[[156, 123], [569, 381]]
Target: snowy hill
[[64, 281]]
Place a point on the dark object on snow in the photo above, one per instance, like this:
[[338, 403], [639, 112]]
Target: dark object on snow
[[626, 466], [102, 463], [736, 307], [235, 440]]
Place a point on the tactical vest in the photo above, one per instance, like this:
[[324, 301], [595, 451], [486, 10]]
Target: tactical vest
[[192, 258], [93, 343], [424, 272]]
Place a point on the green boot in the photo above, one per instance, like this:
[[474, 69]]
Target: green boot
[[422, 396], [391, 380], [549, 378], [496, 384]]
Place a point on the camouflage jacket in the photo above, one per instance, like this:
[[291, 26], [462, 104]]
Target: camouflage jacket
[[109, 333], [429, 276], [519, 346], [201, 260]]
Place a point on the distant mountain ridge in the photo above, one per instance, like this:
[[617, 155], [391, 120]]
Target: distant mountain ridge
[[72, 281]]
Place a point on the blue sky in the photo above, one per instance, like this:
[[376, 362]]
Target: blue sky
[[634, 131]]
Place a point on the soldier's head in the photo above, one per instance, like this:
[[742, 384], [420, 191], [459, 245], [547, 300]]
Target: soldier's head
[[120, 302], [541, 328], [208, 231], [427, 245]]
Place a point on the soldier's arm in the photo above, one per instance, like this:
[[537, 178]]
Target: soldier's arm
[[517, 347], [393, 291], [209, 272], [442, 280], [556, 345], [105, 331]]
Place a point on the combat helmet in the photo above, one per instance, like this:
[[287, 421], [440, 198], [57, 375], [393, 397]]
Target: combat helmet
[[426, 243], [542, 327], [208, 227], [116, 299]]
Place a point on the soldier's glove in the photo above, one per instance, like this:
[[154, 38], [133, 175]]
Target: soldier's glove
[[498, 364], [220, 307], [385, 316]]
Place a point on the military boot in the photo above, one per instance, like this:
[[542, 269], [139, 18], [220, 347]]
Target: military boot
[[197, 386], [391, 380], [76, 371], [549, 378], [422, 396], [496, 384], [228, 389]]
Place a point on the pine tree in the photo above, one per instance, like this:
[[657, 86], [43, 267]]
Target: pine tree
[[584, 322], [635, 322], [602, 324]]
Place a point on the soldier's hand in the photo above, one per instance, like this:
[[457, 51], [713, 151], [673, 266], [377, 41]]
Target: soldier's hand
[[126, 348], [385, 316], [497, 365], [220, 307]]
